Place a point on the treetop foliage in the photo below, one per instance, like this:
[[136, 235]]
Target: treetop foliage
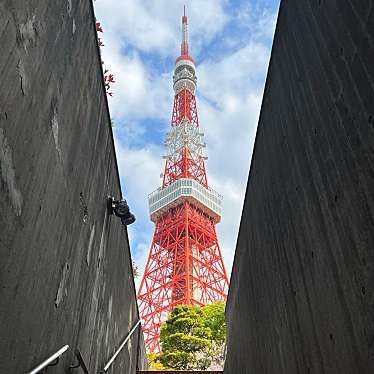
[[189, 337], [214, 318]]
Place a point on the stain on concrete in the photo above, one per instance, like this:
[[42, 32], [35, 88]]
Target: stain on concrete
[[22, 77], [84, 208], [107, 337], [62, 287], [110, 306], [69, 6], [90, 242], [8, 174], [28, 32], [102, 241], [54, 127]]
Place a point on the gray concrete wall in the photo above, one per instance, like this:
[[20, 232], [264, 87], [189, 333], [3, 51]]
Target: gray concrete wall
[[65, 266], [301, 298]]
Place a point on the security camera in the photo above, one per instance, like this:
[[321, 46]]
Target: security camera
[[128, 220], [121, 209]]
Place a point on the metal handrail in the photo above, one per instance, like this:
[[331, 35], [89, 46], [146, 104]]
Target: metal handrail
[[110, 362], [50, 359], [62, 350]]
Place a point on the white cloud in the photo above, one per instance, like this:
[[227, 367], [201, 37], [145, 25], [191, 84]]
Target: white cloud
[[256, 19], [140, 170], [234, 75], [137, 92], [230, 135], [134, 24], [151, 26], [231, 91]]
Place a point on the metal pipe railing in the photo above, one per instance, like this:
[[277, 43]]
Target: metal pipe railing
[[110, 362], [62, 350], [49, 360]]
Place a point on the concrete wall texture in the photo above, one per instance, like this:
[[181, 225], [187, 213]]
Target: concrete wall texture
[[302, 289], [65, 267]]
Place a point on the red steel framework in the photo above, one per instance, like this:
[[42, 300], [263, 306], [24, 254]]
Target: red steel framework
[[185, 265]]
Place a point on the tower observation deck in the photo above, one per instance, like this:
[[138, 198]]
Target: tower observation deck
[[185, 264]]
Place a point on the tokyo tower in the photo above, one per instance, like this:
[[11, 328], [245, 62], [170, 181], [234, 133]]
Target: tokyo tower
[[185, 264]]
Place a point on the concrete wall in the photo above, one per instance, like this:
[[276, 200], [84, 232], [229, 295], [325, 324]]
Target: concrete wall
[[65, 267], [302, 289]]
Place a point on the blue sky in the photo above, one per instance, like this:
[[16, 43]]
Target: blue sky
[[230, 42]]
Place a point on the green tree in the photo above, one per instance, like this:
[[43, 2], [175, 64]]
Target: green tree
[[185, 340], [192, 338], [214, 318], [154, 362]]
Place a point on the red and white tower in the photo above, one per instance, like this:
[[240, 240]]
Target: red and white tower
[[185, 264]]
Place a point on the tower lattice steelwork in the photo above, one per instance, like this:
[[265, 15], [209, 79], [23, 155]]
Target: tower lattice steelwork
[[185, 264]]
